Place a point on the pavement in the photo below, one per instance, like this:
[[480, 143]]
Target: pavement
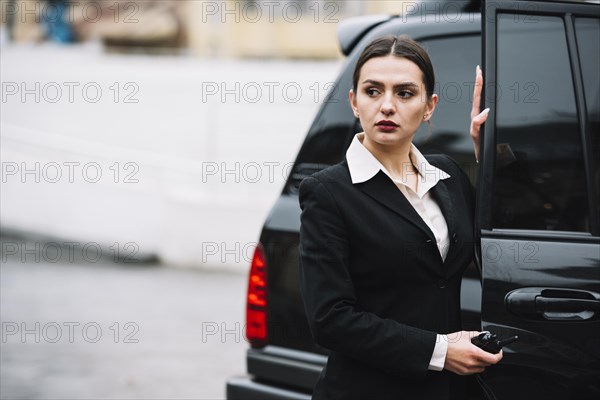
[[95, 329]]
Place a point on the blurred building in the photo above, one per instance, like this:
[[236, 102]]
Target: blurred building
[[154, 23], [291, 29], [230, 28]]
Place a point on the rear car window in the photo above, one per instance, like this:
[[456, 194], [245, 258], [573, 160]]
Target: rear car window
[[454, 59]]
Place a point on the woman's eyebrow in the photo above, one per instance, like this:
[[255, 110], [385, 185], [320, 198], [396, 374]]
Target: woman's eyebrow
[[399, 85], [372, 82], [407, 84]]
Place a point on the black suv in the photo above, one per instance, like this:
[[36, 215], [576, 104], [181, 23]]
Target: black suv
[[537, 269]]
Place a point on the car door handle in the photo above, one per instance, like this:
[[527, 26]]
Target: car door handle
[[553, 303]]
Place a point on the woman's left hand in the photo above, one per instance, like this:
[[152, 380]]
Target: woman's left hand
[[464, 358], [477, 118]]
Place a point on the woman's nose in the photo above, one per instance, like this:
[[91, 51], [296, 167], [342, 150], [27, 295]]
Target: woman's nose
[[387, 106]]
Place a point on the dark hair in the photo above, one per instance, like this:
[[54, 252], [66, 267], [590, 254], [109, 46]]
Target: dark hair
[[399, 46]]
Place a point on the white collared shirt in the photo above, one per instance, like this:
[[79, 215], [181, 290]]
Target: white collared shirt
[[363, 166]]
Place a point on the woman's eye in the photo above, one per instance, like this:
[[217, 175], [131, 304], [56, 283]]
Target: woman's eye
[[371, 91], [405, 94]]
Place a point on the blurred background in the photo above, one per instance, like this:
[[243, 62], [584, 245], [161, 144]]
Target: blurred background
[[142, 145]]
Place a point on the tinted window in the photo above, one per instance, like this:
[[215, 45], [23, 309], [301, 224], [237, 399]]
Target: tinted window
[[454, 60], [539, 178], [588, 43]]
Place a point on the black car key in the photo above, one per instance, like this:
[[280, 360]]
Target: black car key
[[489, 342]]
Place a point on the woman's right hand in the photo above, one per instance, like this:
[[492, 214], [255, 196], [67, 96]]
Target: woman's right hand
[[464, 358], [477, 117]]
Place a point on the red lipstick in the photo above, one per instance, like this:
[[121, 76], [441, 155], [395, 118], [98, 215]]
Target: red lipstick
[[386, 125]]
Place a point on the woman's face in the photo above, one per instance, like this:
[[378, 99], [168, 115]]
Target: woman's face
[[391, 101]]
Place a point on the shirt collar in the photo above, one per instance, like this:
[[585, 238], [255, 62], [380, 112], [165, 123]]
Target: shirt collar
[[363, 166]]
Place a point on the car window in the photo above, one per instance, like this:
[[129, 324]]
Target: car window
[[454, 60], [539, 177], [587, 31]]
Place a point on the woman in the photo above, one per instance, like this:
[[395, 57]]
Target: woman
[[385, 237]]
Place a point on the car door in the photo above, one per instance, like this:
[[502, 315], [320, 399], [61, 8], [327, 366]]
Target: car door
[[538, 200]]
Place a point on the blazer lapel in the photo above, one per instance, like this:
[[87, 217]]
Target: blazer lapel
[[444, 200], [382, 189]]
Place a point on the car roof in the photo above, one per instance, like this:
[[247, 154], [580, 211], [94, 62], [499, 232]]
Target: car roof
[[356, 32]]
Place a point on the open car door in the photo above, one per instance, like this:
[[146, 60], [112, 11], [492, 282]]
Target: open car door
[[538, 199]]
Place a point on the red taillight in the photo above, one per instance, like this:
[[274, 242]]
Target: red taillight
[[256, 302]]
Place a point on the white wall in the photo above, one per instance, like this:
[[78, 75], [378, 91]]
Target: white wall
[[179, 139]]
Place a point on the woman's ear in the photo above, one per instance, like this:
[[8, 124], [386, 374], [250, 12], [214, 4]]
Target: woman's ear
[[352, 99], [430, 107]]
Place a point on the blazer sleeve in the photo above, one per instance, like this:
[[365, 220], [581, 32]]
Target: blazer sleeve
[[336, 319]]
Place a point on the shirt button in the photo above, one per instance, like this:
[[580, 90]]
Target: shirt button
[[442, 283], [455, 238]]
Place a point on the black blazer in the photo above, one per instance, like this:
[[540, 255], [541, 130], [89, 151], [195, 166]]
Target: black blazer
[[374, 285]]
